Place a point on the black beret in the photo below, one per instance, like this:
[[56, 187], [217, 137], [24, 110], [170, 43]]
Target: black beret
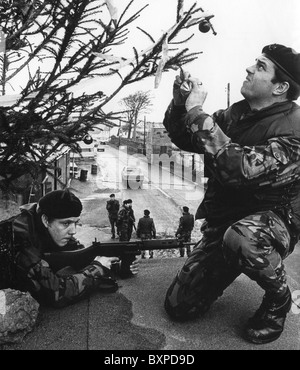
[[60, 204], [285, 58]]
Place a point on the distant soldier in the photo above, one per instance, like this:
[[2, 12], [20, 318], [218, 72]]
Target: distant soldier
[[146, 230], [113, 207], [131, 219], [185, 228], [123, 223]]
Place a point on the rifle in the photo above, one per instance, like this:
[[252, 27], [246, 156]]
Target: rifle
[[126, 251]]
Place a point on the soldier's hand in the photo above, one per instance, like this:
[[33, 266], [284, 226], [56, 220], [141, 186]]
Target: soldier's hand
[[197, 95], [134, 267], [178, 97], [106, 261]]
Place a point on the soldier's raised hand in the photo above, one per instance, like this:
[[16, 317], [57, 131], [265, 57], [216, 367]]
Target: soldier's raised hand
[[197, 95], [179, 94]]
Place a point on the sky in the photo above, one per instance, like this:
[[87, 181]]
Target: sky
[[243, 29]]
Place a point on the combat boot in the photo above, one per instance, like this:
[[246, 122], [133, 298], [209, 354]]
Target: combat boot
[[268, 322]]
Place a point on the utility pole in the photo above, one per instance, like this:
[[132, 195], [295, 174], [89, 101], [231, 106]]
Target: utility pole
[[4, 62], [144, 148], [228, 94], [119, 133]]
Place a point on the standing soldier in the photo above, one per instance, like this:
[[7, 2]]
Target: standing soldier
[[131, 219], [113, 207], [184, 231], [123, 222], [146, 230]]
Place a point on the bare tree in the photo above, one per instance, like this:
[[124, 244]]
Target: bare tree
[[52, 45], [136, 104]]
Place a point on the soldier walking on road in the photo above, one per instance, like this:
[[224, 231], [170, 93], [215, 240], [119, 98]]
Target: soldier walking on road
[[113, 207], [123, 222], [131, 219], [146, 230], [185, 228]]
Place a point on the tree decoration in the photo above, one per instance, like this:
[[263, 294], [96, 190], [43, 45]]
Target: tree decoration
[[59, 44]]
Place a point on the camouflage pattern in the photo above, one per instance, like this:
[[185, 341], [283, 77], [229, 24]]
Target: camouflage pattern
[[252, 161], [34, 274], [63, 287], [202, 279], [124, 224], [252, 158], [254, 246]]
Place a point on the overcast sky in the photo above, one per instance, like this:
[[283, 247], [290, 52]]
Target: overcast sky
[[243, 29]]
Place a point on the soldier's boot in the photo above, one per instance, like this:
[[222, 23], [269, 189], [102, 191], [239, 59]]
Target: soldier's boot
[[150, 254], [267, 324]]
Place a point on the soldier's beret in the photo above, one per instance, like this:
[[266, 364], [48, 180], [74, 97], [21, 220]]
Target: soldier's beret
[[285, 58], [60, 204]]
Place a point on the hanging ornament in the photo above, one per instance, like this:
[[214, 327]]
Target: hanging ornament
[[88, 139], [113, 10]]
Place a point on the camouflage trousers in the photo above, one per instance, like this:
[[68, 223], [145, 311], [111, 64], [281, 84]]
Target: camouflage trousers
[[254, 245]]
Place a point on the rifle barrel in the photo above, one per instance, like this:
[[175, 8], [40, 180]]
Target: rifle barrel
[[82, 257]]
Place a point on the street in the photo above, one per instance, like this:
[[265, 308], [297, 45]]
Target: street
[[161, 193]]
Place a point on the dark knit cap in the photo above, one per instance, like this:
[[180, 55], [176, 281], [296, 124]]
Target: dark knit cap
[[60, 204], [285, 58]]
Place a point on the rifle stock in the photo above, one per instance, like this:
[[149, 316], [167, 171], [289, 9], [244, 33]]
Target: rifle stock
[[126, 251]]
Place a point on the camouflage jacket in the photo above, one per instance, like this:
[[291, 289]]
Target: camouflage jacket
[[252, 158], [125, 217], [55, 288]]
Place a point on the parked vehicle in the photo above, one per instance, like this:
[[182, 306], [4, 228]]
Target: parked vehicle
[[133, 177]]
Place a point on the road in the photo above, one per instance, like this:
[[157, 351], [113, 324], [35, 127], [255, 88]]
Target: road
[[157, 194]]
